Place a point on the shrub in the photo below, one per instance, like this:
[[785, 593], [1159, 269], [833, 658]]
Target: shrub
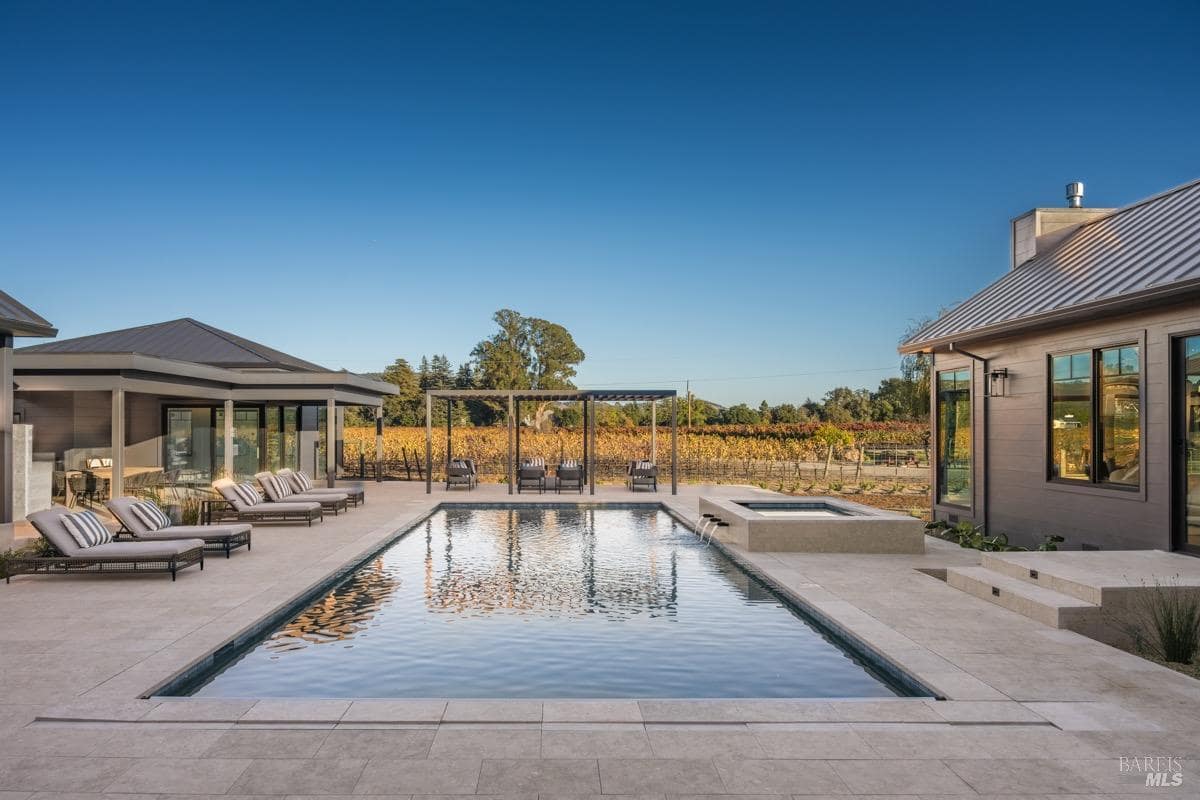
[[1171, 614]]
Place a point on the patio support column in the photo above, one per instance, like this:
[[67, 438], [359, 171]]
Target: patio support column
[[592, 448], [116, 486], [379, 444], [228, 439], [674, 445], [428, 443], [586, 466], [330, 443], [449, 431], [6, 429], [653, 431], [517, 425], [511, 417]]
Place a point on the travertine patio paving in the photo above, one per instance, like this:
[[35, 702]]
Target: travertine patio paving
[[1033, 711]]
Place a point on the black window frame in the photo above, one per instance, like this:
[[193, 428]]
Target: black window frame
[[1095, 355], [938, 471]]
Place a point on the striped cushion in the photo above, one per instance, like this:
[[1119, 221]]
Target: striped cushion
[[247, 494], [86, 529], [279, 487], [150, 515], [535, 462], [301, 482]]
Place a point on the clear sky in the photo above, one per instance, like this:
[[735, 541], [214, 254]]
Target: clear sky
[[714, 191]]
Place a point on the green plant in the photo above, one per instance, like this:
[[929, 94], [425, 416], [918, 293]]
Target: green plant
[[1050, 542], [867, 486], [1171, 612], [836, 486], [189, 510]]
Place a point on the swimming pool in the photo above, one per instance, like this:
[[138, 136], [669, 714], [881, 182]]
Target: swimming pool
[[544, 602]]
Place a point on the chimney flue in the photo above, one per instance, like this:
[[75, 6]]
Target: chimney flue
[[1075, 194]]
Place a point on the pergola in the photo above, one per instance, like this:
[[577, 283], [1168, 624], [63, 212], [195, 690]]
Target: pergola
[[589, 397]]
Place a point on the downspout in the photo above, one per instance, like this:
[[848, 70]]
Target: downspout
[[983, 456]]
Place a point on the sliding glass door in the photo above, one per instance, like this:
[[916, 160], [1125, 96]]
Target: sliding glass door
[[1187, 443]]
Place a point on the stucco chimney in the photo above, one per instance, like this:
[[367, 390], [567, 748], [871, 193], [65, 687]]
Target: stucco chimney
[[1040, 229]]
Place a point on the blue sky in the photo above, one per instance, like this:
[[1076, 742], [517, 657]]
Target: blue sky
[[713, 191]]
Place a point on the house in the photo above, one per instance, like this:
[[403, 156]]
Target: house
[[1065, 396], [16, 320], [187, 401]]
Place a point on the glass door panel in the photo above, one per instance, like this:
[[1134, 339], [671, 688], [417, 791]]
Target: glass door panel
[[189, 444], [246, 442], [1188, 451]]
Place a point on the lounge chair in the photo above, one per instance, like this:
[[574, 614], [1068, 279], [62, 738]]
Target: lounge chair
[[642, 474], [241, 502], [223, 538], [460, 473], [568, 475], [532, 475], [302, 484], [279, 490], [109, 556]]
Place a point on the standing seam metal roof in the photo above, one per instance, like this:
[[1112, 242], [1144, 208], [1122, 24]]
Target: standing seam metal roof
[[1143, 249], [18, 319], [182, 340]]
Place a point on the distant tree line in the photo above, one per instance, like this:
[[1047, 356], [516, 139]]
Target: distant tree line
[[531, 353]]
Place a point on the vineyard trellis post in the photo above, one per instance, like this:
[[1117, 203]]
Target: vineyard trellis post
[[378, 444]]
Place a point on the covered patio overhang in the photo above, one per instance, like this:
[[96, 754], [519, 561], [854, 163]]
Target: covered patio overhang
[[512, 398], [157, 383], [16, 320]]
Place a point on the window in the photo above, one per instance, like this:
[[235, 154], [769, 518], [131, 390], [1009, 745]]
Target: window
[[954, 437], [1071, 416], [1095, 417], [1119, 417]]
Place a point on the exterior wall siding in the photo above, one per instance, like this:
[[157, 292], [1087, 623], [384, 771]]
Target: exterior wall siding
[[1020, 499]]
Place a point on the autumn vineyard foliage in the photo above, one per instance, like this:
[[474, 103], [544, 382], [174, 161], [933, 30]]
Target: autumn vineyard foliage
[[715, 443]]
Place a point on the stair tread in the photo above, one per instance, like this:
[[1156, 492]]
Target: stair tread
[[1016, 586]]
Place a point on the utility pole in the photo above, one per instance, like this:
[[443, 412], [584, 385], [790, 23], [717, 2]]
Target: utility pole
[[688, 385]]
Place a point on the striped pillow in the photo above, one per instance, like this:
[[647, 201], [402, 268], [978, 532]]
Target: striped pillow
[[247, 494], [301, 482], [150, 515], [279, 487], [569, 463], [86, 529]]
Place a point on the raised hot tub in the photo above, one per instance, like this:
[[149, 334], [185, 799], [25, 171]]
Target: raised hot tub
[[812, 525]]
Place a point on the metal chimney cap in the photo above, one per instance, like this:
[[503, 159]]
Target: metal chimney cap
[[1075, 194]]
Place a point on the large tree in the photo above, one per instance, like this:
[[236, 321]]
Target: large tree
[[527, 353]]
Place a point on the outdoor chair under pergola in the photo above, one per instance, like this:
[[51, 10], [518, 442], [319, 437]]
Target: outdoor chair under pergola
[[513, 399]]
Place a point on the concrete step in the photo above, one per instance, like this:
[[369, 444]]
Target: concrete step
[[1056, 609], [1029, 568]]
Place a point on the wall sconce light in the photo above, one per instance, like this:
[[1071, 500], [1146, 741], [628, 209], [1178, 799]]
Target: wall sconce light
[[997, 382]]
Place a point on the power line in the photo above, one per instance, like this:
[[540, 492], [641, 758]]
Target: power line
[[746, 377]]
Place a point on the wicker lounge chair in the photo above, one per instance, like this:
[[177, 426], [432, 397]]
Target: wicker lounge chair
[[532, 475], [460, 473], [568, 475], [223, 538], [233, 506], [279, 490], [642, 475], [300, 480], [165, 556]]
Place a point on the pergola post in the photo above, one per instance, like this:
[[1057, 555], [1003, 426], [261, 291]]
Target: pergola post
[[449, 433], [227, 433], [587, 467], [592, 448], [511, 416], [378, 444], [116, 485], [428, 443], [6, 428], [653, 431], [330, 443], [674, 444], [517, 425]]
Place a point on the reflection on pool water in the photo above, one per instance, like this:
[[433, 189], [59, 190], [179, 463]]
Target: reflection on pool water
[[547, 602]]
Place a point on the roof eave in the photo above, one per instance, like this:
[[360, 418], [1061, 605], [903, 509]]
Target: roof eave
[[1134, 301]]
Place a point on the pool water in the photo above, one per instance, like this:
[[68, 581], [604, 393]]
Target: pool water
[[547, 602]]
